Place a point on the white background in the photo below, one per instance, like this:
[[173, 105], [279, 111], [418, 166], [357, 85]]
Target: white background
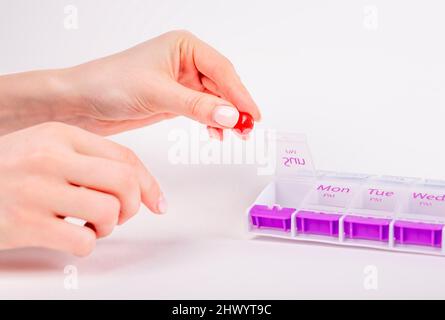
[[368, 91]]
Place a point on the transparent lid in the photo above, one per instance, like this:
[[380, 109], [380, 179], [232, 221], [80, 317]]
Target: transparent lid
[[335, 189], [293, 157], [425, 199]]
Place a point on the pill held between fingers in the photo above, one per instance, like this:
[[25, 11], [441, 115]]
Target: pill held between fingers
[[245, 124]]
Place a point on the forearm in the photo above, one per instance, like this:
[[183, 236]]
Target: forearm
[[34, 97]]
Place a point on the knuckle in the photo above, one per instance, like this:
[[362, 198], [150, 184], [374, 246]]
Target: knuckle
[[194, 103], [129, 184], [129, 156], [180, 33], [134, 205], [44, 156], [113, 205], [109, 211], [85, 244]]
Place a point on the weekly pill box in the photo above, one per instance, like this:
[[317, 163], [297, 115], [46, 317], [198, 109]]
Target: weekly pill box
[[383, 212]]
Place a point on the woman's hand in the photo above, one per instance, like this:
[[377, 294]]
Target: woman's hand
[[173, 74], [52, 171]]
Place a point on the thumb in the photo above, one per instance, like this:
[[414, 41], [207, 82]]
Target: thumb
[[203, 107]]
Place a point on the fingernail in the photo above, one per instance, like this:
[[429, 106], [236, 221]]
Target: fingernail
[[162, 204], [226, 116]]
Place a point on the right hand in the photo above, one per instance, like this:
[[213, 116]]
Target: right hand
[[52, 171], [170, 75]]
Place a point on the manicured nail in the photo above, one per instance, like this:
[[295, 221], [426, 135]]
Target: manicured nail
[[226, 116], [162, 204]]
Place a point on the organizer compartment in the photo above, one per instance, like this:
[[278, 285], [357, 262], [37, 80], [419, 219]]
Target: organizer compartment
[[366, 228], [274, 218], [320, 223], [416, 233]]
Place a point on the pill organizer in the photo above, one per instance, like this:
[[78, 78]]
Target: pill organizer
[[383, 212]]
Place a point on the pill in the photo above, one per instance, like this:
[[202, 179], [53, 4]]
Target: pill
[[244, 124]]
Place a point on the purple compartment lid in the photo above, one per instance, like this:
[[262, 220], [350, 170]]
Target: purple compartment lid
[[368, 220], [418, 225], [262, 211], [318, 215]]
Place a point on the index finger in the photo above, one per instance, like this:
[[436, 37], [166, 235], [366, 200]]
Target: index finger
[[93, 145], [220, 70]]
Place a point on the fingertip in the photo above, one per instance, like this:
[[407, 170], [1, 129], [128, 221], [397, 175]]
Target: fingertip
[[257, 116], [153, 198], [162, 204], [158, 206], [215, 133], [225, 115], [253, 110]]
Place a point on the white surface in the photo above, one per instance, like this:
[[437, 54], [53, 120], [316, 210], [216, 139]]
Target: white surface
[[369, 101]]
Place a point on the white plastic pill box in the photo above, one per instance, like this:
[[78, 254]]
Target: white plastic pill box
[[384, 212]]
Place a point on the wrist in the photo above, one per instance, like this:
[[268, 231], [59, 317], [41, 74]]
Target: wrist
[[33, 97], [63, 101]]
